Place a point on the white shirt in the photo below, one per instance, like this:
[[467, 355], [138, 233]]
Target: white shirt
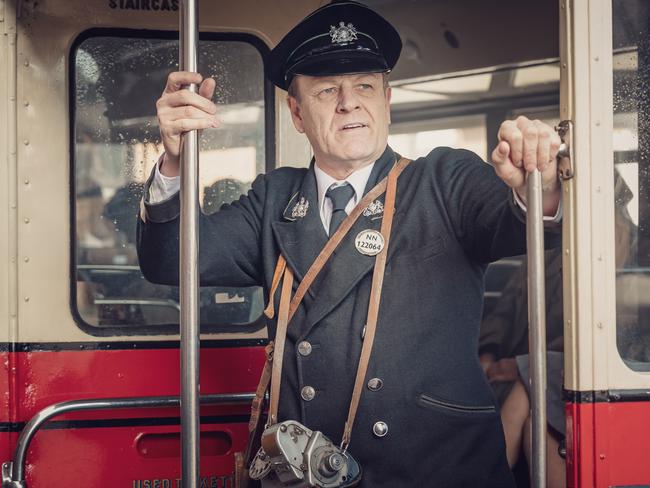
[[162, 187], [324, 182]]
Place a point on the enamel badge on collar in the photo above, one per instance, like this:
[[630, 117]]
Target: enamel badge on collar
[[369, 242], [300, 209], [374, 210]]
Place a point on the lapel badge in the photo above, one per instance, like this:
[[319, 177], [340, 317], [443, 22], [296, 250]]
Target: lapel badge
[[374, 209], [369, 242], [299, 210], [343, 33]]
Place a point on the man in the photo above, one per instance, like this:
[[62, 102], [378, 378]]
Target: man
[[427, 416]]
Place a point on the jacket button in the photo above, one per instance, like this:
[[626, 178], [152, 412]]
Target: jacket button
[[308, 393], [380, 429], [363, 333], [304, 348], [375, 384]]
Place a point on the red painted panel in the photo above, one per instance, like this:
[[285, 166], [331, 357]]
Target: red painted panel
[[7, 443], [623, 443], [48, 377], [4, 383], [580, 445], [608, 444], [109, 457], [137, 457]]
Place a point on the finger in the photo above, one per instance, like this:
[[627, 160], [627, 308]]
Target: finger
[[501, 154], [531, 139], [504, 168], [206, 90], [543, 145], [186, 97], [185, 125], [555, 145], [510, 174], [178, 79], [170, 114], [510, 133], [497, 376]]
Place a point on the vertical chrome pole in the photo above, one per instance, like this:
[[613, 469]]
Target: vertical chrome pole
[[189, 254], [536, 325]]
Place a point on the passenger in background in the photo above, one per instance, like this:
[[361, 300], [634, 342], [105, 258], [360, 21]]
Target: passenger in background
[[503, 347], [503, 354]]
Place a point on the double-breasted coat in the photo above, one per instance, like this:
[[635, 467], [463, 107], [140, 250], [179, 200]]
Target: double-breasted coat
[[453, 216]]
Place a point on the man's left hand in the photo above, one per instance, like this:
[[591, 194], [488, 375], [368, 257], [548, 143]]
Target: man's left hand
[[526, 145]]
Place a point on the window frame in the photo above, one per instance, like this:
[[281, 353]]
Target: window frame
[[270, 163]]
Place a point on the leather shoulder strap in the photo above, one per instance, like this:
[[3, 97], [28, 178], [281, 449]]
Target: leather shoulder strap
[[341, 232], [373, 309], [289, 306]]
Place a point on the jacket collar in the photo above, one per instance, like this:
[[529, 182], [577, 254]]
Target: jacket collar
[[301, 236]]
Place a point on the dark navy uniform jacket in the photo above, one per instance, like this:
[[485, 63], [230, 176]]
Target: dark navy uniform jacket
[[453, 216]]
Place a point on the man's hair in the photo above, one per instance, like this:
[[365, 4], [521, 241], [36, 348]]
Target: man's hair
[[292, 90]]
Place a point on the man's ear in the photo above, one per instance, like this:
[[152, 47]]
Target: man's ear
[[294, 108], [389, 93]]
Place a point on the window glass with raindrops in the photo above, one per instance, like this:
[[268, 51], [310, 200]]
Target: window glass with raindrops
[[116, 79]]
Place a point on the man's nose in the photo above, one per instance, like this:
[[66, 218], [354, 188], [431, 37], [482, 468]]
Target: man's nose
[[348, 100]]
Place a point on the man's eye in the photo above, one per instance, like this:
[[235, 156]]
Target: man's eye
[[328, 91], [365, 86]]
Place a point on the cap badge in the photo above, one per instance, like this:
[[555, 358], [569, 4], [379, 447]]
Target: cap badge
[[373, 209], [343, 33], [300, 209]]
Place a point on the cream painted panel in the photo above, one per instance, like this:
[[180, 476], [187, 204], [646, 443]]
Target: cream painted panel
[[602, 193], [45, 37], [7, 173], [577, 220]]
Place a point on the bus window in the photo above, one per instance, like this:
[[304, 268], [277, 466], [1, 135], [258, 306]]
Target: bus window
[[464, 110], [116, 79], [631, 143], [419, 138]]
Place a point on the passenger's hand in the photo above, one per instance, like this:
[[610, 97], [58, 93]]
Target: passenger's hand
[[486, 360], [524, 145], [179, 110], [503, 370]]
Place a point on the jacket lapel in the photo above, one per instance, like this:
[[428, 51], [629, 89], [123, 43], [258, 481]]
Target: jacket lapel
[[347, 266], [301, 235]]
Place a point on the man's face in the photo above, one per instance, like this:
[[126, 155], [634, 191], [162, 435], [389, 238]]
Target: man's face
[[344, 117]]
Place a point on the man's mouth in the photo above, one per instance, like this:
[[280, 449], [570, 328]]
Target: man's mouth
[[355, 125]]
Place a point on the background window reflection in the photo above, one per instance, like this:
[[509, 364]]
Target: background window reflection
[[117, 81]]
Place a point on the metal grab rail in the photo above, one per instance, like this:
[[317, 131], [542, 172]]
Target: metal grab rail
[[189, 255], [536, 325], [13, 472], [160, 302]]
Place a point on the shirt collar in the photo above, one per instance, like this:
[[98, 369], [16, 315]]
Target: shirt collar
[[357, 179]]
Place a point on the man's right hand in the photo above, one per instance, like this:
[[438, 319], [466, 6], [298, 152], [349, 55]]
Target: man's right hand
[[179, 110]]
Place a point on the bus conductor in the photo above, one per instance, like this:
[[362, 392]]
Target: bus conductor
[[403, 274]]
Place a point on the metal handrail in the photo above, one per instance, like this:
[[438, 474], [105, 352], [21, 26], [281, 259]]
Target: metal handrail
[[130, 268], [537, 325], [13, 472], [189, 256], [159, 302]]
